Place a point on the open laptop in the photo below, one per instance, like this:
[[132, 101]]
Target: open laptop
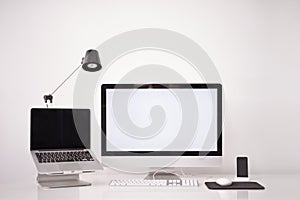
[[60, 141]]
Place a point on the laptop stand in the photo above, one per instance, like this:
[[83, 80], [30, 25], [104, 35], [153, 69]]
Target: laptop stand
[[60, 180]]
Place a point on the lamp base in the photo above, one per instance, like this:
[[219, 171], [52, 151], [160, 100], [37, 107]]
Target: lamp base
[[47, 98]]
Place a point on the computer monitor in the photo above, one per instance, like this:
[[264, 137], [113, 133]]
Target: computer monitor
[[153, 126]]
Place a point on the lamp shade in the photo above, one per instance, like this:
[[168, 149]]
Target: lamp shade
[[91, 61]]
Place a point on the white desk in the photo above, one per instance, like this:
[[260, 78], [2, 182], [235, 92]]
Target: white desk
[[277, 187]]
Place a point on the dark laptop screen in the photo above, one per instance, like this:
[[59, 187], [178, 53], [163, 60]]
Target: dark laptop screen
[[59, 129]]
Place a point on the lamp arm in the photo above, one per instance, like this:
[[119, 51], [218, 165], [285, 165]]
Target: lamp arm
[[50, 96], [65, 79]]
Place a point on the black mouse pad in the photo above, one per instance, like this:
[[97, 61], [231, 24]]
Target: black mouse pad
[[235, 186]]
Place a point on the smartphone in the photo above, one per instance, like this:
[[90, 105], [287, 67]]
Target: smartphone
[[242, 167]]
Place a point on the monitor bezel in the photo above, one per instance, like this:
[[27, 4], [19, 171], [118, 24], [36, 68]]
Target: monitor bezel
[[217, 86]]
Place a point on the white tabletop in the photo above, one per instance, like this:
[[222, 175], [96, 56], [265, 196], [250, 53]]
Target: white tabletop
[[277, 187]]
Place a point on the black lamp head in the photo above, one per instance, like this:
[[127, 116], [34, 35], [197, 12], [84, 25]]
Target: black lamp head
[[91, 61]]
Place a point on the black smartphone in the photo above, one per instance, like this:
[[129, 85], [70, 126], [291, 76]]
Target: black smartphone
[[242, 167]]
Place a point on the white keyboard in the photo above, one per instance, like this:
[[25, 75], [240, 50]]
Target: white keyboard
[[155, 183]]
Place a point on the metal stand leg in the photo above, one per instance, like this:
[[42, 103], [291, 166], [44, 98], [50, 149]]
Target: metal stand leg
[[58, 181]]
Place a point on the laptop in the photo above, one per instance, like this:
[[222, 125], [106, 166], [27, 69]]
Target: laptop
[[60, 141]]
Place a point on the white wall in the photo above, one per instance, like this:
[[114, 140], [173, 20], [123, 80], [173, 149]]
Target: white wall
[[254, 44]]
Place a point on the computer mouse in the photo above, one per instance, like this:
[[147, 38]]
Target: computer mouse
[[224, 182]]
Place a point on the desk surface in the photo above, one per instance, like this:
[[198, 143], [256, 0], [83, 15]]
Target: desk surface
[[277, 187]]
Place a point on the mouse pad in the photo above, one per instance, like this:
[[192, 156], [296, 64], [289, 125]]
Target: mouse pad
[[235, 186]]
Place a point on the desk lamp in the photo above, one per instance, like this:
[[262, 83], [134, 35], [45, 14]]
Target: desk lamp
[[90, 63]]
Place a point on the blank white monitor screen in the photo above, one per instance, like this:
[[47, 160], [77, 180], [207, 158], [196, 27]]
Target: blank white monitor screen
[[143, 119]]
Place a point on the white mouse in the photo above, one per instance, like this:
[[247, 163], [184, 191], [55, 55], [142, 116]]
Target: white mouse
[[224, 182]]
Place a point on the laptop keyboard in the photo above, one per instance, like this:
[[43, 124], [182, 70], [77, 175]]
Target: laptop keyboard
[[64, 156]]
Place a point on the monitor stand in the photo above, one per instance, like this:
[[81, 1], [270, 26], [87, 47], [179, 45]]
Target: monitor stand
[[162, 175], [61, 180]]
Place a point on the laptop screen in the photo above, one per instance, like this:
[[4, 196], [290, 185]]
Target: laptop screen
[[59, 129]]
